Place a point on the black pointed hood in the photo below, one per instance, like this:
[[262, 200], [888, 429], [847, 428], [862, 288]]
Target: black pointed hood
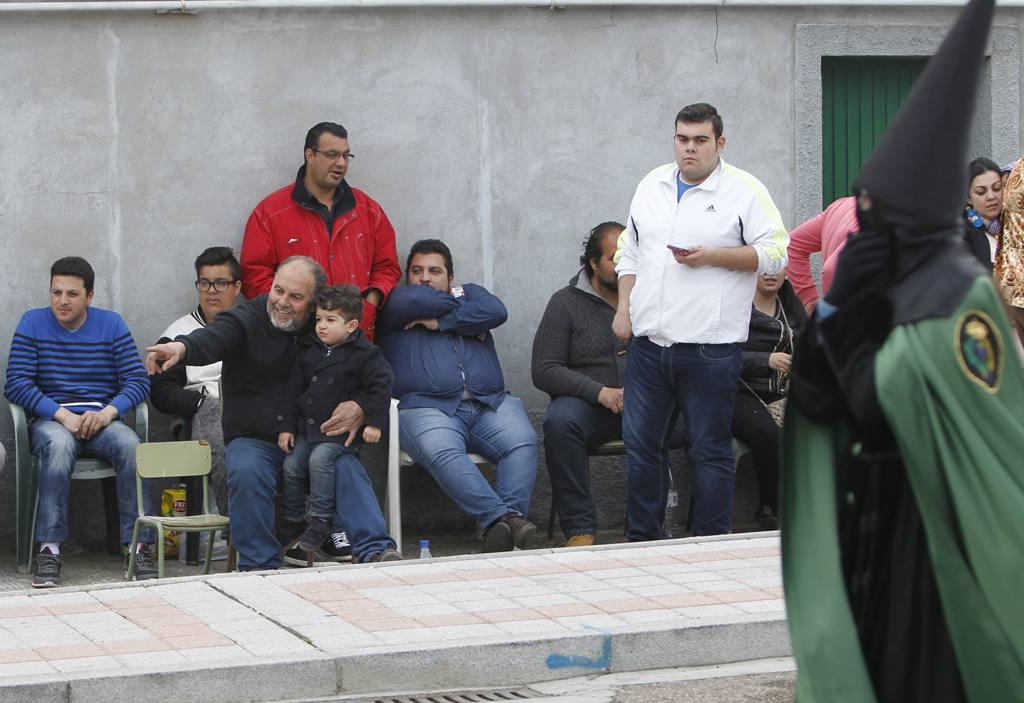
[[918, 172]]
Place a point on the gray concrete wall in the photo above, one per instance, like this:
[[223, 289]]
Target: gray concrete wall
[[138, 140]]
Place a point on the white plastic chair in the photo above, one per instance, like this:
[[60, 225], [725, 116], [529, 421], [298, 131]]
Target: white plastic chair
[[396, 460]]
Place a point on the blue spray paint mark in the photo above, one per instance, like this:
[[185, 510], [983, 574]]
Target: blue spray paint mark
[[563, 661]]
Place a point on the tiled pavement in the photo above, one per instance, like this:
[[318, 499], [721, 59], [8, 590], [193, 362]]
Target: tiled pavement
[[446, 623]]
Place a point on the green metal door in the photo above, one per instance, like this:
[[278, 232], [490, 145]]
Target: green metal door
[[859, 95]]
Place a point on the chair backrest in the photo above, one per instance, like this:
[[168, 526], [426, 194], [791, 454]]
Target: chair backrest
[[18, 417], [22, 453], [173, 459]]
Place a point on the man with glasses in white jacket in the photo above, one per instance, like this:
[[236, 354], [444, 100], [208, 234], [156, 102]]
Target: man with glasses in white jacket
[[191, 392], [699, 232]]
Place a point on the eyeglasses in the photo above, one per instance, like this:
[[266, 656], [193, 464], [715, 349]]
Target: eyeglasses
[[333, 155], [220, 285]]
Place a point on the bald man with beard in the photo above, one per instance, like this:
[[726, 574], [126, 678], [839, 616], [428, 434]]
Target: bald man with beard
[[258, 342]]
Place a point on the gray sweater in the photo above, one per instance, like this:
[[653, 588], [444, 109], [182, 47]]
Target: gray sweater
[[574, 350]]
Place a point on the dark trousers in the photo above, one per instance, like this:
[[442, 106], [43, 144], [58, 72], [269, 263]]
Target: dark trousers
[[571, 427], [700, 381], [753, 425]]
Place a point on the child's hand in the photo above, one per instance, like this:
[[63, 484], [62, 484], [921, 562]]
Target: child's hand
[[371, 434], [286, 440]]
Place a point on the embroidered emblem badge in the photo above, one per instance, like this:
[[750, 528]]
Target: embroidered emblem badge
[[980, 349]]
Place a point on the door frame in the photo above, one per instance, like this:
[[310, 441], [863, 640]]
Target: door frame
[[1002, 76]]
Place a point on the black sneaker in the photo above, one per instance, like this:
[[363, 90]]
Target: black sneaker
[[315, 534], [46, 571], [337, 547], [289, 533], [145, 565], [389, 554]]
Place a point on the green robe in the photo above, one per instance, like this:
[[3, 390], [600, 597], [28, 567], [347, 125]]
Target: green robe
[[952, 391]]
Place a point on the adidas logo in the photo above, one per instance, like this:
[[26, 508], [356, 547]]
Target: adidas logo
[[710, 208]]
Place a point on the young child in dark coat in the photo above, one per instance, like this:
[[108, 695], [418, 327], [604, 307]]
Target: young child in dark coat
[[338, 364]]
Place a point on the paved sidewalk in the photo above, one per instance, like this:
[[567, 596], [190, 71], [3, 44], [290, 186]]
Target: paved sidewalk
[[458, 622]]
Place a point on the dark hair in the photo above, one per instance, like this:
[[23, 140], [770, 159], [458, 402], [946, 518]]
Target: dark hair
[[979, 166], [313, 135], [701, 112], [219, 256], [592, 244], [74, 266], [430, 246], [313, 266], [345, 298]]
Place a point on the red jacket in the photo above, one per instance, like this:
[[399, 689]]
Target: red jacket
[[361, 249]]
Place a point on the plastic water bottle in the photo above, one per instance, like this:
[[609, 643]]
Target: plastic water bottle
[[425, 549], [671, 508]]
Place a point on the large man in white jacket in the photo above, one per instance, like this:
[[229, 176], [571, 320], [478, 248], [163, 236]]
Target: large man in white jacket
[[698, 234]]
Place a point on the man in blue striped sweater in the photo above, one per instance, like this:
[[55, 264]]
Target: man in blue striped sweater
[[76, 371]]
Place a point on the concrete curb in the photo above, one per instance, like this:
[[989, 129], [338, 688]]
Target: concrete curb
[[262, 681], [548, 659]]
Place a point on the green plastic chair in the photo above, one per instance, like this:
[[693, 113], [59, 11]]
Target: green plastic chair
[[174, 460], [27, 485]]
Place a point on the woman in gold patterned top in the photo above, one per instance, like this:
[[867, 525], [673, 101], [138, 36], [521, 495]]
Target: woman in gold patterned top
[[1009, 270]]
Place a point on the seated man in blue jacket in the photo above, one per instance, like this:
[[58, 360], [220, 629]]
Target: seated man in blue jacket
[[452, 395]]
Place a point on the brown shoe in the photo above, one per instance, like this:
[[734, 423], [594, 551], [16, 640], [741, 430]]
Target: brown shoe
[[389, 554], [498, 537], [580, 541], [522, 530]]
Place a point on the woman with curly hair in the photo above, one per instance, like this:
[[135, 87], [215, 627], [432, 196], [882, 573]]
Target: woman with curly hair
[[1009, 266]]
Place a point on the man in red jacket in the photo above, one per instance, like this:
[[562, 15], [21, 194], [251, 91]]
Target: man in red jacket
[[322, 217]]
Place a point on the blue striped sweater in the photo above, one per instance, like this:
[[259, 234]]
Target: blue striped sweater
[[96, 365]]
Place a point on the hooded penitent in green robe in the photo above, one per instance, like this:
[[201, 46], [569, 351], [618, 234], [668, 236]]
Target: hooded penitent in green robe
[[952, 393]]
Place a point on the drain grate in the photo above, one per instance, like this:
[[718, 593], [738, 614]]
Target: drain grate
[[495, 695]]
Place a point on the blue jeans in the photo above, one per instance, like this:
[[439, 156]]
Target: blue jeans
[[571, 427], [57, 449], [254, 470], [700, 381], [317, 460], [504, 437]]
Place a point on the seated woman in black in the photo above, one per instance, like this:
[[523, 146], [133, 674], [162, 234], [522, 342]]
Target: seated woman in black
[[984, 206], [775, 319]]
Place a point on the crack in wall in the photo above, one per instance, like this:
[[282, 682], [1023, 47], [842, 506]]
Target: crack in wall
[[113, 170]]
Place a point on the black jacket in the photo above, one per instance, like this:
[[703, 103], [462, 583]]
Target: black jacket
[[765, 338], [257, 360], [977, 242], [167, 390], [323, 377], [168, 394]]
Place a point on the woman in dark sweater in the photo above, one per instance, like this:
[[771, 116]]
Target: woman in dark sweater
[[775, 319]]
